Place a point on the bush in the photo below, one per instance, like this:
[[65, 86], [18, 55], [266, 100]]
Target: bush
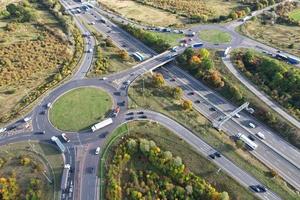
[[153, 41]]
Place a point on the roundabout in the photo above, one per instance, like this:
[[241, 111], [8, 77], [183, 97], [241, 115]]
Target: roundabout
[[80, 108]]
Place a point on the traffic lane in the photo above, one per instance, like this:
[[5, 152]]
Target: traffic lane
[[232, 128], [289, 151], [123, 39], [238, 174], [90, 171]]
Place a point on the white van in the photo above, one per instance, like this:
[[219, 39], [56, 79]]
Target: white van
[[261, 135], [2, 130], [97, 150], [252, 125], [26, 119], [237, 115]]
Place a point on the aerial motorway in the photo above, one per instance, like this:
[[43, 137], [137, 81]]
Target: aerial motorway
[[81, 150]]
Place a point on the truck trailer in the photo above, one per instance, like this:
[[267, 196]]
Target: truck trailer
[[55, 139], [102, 124]]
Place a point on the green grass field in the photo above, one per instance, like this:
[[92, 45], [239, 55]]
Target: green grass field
[[79, 109], [295, 14], [167, 140], [215, 36], [158, 100], [39, 153]]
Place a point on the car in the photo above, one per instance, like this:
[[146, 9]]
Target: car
[[92, 170], [89, 50], [237, 115], [251, 125], [258, 188], [92, 23], [212, 156], [251, 137], [97, 151], [140, 113], [64, 136], [27, 119], [129, 118], [197, 101], [172, 79], [217, 154], [49, 105], [40, 132], [130, 113], [131, 74], [127, 82], [191, 93], [190, 39], [103, 78], [212, 109], [2, 130], [42, 112], [260, 135], [143, 117]]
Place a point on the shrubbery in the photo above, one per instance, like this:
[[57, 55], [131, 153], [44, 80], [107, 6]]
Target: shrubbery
[[165, 178], [153, 41]]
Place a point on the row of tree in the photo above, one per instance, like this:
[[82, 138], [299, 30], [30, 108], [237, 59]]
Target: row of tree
[[153, 41], [174, 180]]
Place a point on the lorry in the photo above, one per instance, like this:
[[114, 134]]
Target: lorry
[[102, 124], [64, 178], [247, 141], [55, 139]]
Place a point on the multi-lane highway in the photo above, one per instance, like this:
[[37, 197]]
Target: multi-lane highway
[[80, 154]]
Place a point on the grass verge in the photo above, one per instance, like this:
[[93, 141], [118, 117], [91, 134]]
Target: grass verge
[[40, 154], [80, 108]]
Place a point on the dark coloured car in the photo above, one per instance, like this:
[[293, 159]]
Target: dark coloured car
[[11, 128], [140, 113], [173, 79], [130, 113], [212, 156], [251, 137], [129, 118], [217, 154], [258, 188], [92, 170], [212, 109], [42, 112], [143, 117], [197, 101], [40, 132], [191, 93]]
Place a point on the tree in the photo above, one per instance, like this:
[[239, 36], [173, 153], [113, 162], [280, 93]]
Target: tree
[[216, 79], [187, 105], [109, 42], [123, 55], [158, 80], [207, 64], [177, 93], [233, 15], [204, 53]]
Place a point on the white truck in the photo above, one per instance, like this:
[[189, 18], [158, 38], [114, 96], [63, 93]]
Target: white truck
[[58, 143], [247, 141], [102, 124], [64, 178]]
